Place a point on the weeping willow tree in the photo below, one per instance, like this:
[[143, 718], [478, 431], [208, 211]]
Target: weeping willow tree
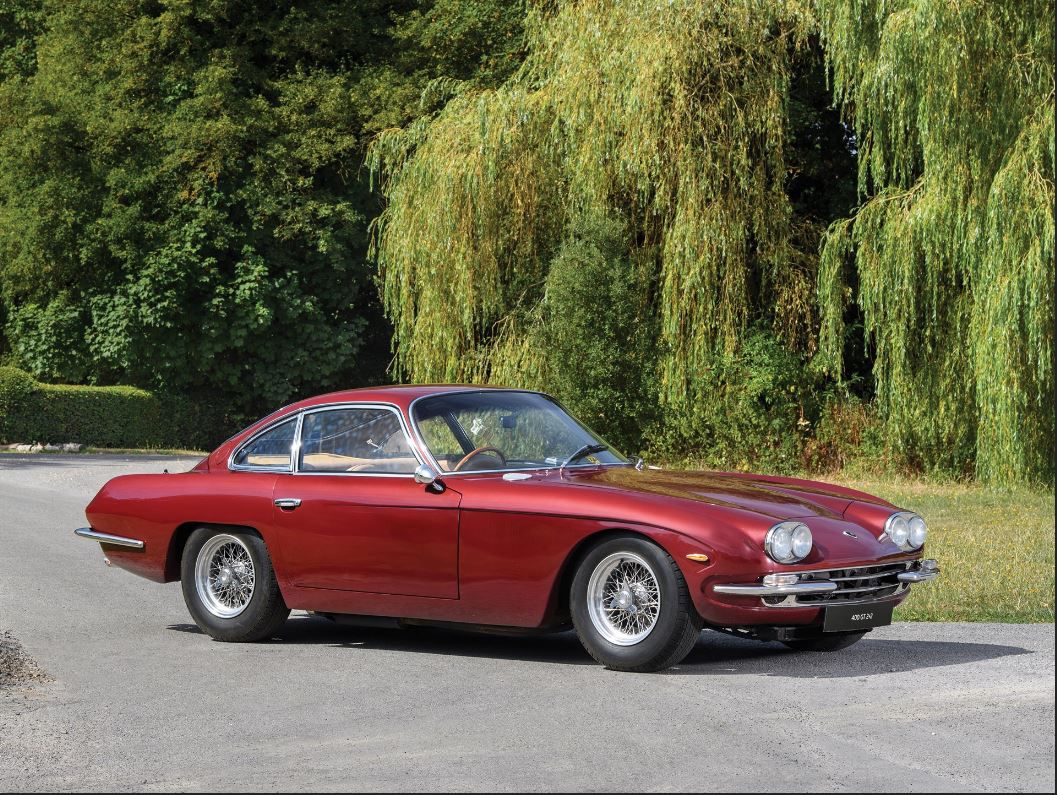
[[666, 119], [952, 250]]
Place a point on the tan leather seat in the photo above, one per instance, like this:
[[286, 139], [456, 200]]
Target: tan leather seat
[[332, 462]]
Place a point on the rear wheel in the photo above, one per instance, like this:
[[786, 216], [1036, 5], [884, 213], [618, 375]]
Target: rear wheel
[[631, 607], [229, 585], [825, 642]]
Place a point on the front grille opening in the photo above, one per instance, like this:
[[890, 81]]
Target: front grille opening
[[862, 583]]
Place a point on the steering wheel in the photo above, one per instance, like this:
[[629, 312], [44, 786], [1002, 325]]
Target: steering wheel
[[474, 453]]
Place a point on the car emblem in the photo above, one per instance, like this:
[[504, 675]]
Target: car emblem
[[850, 534]]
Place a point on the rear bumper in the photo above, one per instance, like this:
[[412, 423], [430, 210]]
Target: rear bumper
[[107, 538]]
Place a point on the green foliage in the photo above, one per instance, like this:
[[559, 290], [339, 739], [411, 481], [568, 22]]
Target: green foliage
[[113, 416], [618, 201], [181, 200], [952, 252], [20, 22], [760, 406], [596, 337], [672, 123], [847, 436]]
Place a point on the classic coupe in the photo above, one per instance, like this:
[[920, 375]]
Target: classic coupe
[[490, 508]]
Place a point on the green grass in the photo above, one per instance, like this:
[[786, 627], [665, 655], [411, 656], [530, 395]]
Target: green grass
[[995, 549]]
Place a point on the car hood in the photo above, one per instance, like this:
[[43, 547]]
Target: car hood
[[777, 498]]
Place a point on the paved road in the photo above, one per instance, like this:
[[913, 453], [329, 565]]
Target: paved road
[[141, 700]]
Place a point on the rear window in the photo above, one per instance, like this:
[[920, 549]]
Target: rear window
[[270, 450]]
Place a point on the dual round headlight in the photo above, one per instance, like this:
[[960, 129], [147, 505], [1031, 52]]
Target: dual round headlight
[[788, 542], [907, 530]]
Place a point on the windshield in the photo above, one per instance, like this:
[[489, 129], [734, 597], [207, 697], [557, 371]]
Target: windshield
[[503, 431]]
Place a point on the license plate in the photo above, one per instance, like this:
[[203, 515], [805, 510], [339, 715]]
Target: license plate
[[848, 618]]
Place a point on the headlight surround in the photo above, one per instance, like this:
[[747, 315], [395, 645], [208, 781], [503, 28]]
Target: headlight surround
[[788, 542], [907, 530]]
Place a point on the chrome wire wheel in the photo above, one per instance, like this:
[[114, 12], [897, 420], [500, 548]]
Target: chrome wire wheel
[[224, 576], [623, 598]]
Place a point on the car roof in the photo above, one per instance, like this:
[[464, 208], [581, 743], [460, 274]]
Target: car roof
[[400, 395]]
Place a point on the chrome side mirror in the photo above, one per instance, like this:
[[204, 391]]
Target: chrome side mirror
[[427, 477]]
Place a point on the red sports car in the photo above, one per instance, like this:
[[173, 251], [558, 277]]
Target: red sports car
[[495, 508]]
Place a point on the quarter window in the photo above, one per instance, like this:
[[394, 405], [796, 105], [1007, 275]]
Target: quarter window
[[270, 450], [366, 440]]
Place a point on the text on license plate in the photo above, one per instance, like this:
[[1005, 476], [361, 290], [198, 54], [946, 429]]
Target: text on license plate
[[848, 618]]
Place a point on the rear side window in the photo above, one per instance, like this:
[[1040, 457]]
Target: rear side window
[[270, 450], [365, 440]]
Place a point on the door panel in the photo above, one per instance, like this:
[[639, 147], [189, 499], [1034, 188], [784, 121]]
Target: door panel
[[387, 535]]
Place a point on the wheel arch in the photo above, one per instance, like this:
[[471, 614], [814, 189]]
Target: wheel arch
[[182, 533], [558, 604]]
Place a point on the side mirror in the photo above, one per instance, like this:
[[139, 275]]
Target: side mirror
[[427, 477]]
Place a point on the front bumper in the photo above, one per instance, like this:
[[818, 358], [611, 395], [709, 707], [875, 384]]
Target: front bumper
[[786, 589], [764, 589]]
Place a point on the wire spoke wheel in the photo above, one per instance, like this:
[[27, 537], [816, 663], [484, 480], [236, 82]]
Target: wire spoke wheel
[[224, 576], [623, 598]]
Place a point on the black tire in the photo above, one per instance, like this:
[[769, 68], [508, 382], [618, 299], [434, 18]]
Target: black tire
[[677, 624], [266, 610], [825, 642]]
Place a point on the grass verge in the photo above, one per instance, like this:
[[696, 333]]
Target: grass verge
[[995, 549]]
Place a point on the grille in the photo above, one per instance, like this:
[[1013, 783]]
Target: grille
[[860, 584]]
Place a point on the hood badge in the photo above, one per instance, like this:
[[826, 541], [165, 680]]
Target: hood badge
[[850, 534]]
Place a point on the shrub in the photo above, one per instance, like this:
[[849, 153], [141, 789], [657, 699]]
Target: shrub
[[756, 410], [848, 435], [597, 341], [103, 416]]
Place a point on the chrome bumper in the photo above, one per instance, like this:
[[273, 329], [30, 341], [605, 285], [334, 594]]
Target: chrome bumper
[[106, 538], [777, 590], [924, 571], [921, 575]]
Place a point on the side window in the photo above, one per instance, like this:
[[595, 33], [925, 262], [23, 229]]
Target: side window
[[271, 449], [366, 440]]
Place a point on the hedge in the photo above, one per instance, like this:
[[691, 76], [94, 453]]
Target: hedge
[[103, 416]]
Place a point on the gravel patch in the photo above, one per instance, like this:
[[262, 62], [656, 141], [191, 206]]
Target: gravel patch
[[17, 669]]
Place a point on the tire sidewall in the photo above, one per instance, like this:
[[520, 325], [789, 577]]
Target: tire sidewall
[[264, 580], [669, 619]]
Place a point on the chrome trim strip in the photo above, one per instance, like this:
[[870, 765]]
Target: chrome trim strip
[[777, 590], [106, 538]]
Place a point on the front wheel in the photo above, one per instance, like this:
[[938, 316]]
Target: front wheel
[[825, 642], [229, 585], [631, 607]]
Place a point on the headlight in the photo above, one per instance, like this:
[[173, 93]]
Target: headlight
[[907, 530], [918, 532], [788, 542]]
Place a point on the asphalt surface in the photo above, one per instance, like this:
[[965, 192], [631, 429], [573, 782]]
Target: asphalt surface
[[133, 697]]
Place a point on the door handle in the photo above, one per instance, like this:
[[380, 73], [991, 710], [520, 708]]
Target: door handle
[[287, 503]]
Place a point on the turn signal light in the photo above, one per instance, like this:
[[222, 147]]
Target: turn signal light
[[781, 579]]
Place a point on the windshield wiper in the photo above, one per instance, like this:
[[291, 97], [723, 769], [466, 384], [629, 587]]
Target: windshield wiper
[[587, 449]]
